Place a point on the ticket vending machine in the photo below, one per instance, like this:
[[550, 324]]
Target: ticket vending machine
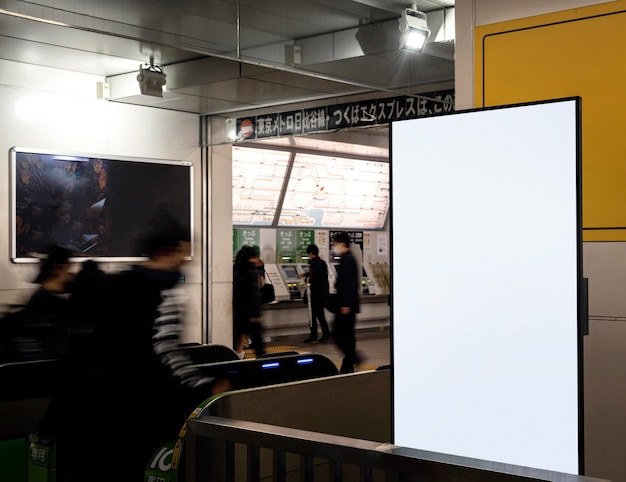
[[332, 274], [291, 276], [367, 284], [377, 275], [273, 275], [304, 268], [367, 288]]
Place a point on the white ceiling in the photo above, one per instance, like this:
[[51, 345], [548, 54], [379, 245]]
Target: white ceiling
[[225, 56]]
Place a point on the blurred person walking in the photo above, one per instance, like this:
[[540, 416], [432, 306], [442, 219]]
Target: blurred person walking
[[348, 302], [133, 382], [40, 329], [247, 301], [318, 293]]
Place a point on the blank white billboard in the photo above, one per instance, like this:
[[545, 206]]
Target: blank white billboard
[[486, 281]]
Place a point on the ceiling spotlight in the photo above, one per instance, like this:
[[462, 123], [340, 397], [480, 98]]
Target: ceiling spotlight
[[414, 28], [151, 79]]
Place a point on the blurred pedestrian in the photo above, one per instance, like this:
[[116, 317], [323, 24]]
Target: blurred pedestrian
[[318, 292], [348, 301], [247, 301], [134, 380], [40, 329]]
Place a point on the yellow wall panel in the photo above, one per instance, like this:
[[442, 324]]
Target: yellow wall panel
[[580, 52]]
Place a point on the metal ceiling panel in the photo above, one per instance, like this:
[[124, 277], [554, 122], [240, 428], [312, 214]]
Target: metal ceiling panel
[[398, 5], [222, 55], [316, 84], [183, 103], [249, 91]]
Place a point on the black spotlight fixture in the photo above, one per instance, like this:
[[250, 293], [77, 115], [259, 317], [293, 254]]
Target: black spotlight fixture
[[151, 79]]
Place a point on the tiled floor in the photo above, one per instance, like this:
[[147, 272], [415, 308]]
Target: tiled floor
[[373, 346]]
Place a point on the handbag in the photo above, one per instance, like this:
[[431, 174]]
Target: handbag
[[267, 293], [332, 303]]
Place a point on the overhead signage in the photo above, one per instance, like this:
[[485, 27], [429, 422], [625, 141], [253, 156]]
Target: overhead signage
[[339, 116]]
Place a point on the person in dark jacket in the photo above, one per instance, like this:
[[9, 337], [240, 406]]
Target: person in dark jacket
[[247, 300], [132, 385], [317, 278], [348, 302], [40, 329]]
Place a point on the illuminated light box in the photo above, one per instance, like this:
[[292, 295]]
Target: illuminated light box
[[334, 192], [258, 176], [281, 189], [96, 206], [486, 284]]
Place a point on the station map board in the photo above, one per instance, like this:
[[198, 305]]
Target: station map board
[[320, 192]]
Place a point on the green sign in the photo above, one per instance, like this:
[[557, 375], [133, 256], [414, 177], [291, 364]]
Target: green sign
[[243, 236], [286, 246], [291, 244], [286, 240], [160, 468], [165, 463], [42, 460], [304, 237]]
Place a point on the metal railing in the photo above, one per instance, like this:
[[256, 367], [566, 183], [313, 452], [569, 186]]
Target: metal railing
[[226, 450]]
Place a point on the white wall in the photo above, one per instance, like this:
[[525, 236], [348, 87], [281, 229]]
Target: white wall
[[47, 108], [221, 245]]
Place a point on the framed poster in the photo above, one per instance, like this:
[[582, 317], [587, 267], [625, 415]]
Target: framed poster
[[96, 206]]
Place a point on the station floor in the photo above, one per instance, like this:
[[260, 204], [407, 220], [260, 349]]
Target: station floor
[[374, 347]]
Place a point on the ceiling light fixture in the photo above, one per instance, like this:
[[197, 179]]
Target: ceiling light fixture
[[151, 79], [414, 28]]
